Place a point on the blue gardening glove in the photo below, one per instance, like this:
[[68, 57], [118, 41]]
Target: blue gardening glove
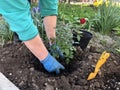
[[54, 49], [51, 64]]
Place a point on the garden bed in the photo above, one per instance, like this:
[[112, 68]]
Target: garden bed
[[20, 66]]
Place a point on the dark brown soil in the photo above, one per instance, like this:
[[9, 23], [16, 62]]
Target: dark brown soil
[[21, 67]]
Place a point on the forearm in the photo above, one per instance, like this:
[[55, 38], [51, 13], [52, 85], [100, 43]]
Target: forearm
[[37, 47], [49, 12], [50, 27]]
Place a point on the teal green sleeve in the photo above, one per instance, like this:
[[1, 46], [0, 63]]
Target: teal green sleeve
[[17, 14], [48, 7]]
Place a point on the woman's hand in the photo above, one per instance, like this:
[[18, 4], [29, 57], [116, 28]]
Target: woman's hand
[[34, 1]]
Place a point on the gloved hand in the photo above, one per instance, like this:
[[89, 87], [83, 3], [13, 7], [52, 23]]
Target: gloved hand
[[51, 64], [54, 49]]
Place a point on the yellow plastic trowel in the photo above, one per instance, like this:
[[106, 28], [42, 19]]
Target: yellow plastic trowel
[[100, 62]]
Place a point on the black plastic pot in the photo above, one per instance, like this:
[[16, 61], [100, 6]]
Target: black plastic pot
[[84, 40], [16, 38]]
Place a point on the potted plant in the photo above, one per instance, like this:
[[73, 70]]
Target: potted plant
[[83, 36]]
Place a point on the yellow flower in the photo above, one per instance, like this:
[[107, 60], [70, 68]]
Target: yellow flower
[[100, 2], [107, 2], [97, 3]]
